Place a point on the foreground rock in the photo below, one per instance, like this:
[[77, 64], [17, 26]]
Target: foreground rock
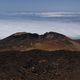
[[40, 65]]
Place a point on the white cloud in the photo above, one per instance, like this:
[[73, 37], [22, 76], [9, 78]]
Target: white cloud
[[7, 27], [43, 14]]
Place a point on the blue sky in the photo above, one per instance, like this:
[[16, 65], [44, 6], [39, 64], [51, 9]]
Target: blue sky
[[39, 5]]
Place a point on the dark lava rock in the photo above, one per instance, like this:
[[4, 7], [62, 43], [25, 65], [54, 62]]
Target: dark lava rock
[[40, 65]]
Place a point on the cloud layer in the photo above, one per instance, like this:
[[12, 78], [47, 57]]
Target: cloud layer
[[67, 23], [9, 27]]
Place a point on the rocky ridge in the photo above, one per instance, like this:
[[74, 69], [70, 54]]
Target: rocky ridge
[[50, 41]]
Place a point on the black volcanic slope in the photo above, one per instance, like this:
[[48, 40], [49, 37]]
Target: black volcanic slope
[[39, 65]]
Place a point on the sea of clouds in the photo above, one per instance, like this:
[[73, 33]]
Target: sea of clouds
[[67, 23]]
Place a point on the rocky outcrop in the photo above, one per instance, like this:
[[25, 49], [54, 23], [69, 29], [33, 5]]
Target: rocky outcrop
[[50, 41]]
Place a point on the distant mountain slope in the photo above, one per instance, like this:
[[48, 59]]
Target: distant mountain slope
[[78, 40], [50, 41]]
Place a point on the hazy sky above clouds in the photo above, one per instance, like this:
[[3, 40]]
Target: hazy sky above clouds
[[39, 5]]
